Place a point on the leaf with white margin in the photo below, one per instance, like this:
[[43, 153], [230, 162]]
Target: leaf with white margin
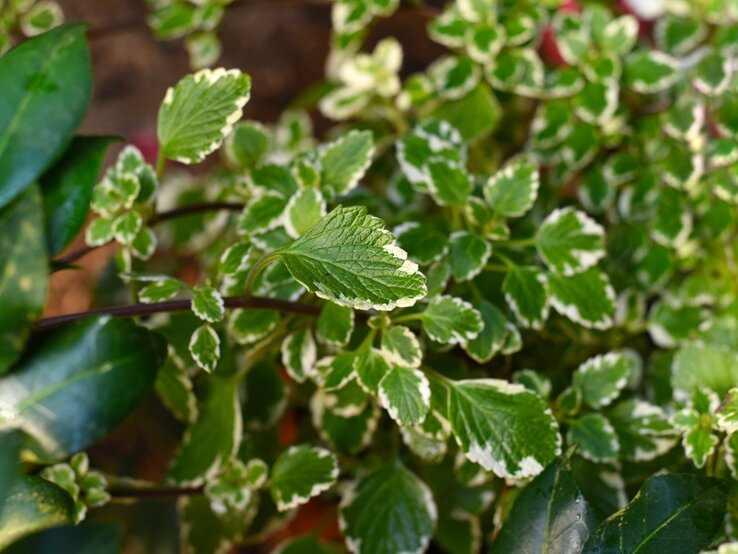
[[448, 184], [347, 435], [235, 259], [349, 258], [727, 416], [405, 394], [643, 429], [422, 242], [304, 209], [300, 473], [651, 71], [594, 437], [126, 227], [249, 326], [513, 189], [601, 379], [731, 454], [335, 324], [713, 73], [468, 254], [527, 294], [163, 289], [387, 512], [299, 354], [495, 335], [586, 298], [451, 320], [400, 346], [503, 427], [262, 213], [698, 365], [199, 112], [454, 76], [344, 161], [205, 347], [371, 366], [569, 241], [207, 304], [429, 440], [333, 372]]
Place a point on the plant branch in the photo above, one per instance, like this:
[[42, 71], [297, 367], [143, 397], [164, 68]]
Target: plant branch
[[136, 310], [75, 255]]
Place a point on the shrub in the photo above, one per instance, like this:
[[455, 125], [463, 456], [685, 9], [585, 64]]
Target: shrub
[[494, 302]]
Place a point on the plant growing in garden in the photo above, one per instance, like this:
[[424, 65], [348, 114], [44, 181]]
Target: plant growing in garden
[[494, 307]]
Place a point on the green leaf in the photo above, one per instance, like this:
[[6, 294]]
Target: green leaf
[[712, 74], [307, 544], [595, 438], [400, 346], [161, 290], [495, 336], [344, 162], [78, 383], [174, 388], [333, 372], [199, 112], [348, 435], [388, 511], [468, 254], [569, 241], [262, 213], [31, 505], [453, 77], [651, 71], [207, 304], [47, 84], [704, 365], [351, 259], [585, 298], [601, 379], [669, 510], [371, 366], [678, 35], [449, 184], [643, 430], [213, 439], [503, 427], [126, 227], [451, 320], [247, 144], [174, 20], [299, 354], [304, 209], [99, 232], [249, 326], [480, 102], [67, 189], [550, 516], [335, 324], [727, 416], [422, 243], [300, 473], [512, 191], [263, 397], [405, 394], [23, 273], [205, 347], [432, 141], [526, 292]]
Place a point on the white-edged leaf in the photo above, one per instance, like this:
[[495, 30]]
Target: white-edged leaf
[[400, 346], [344, 161], [349, 258], [262, 213], [304, 209], [569, 241], [601, 379], [205, 347], [300, 473], [468, 254], [161, 290], [200, 111], [207, 304], [496, 335], [299, 354], [451, 320], [594, 437], [370, 366], [235, 259], [651, 71], [405, 394], [697, 365], [335, 324], [430, 141], [503, 427], [643, 429], [586, 298], [526, 292], [448, 183], [249, 326], [513, 189], [387, 512], [422, 243], [126, 227]]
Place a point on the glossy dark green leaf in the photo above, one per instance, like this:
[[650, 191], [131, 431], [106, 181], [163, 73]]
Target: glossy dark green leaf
[[550, 516], [23, 273], [33, 504], [78, 383], [67, 189], [671, 513], [87, 538], [47, 84]]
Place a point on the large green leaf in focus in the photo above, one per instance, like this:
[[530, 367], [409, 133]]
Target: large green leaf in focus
[[671, 513], [388, 511], [33, 504], [67, 189], [351, 259], [46, 87], [23, 273], [78, 383], [549, 517]]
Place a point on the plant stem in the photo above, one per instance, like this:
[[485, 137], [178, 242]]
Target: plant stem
[[260, 264], [158, 218], [517, 243], [134, 310]]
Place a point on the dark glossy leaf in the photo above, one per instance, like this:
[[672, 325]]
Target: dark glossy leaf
[[78, 383], [67, 189], [87, 538], [33, 504], [550, 516], [23, 273], [671, 513], [47, 84]]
